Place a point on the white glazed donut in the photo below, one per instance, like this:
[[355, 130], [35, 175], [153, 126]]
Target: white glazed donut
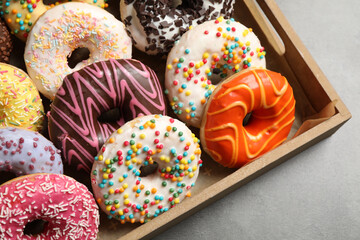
[[155, 25], [26, 152], [64, 28], [226, 46], [160, 147]]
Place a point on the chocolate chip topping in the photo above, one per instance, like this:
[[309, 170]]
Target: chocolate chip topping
[[152, 15], [6, 44]]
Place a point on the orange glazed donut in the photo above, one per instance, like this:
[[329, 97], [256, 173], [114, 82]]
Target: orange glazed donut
[[267, 96]]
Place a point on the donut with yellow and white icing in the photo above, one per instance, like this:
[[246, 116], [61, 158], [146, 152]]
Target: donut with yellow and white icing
[[20, 15], [20, 102], [64, 28], [226, 47], [155, 25], [145, 168], [65, 205]]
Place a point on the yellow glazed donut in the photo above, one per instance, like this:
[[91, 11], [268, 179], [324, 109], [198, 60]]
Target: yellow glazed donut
[[20, 15], [65, 28], [20, 102], [65, 205]]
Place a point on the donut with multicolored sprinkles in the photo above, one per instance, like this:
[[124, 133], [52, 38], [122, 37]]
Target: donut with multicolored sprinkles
[[20, 102], [65, 205], [145, 168], [20, 15], [155, 25], [63, 29], [226, 47]]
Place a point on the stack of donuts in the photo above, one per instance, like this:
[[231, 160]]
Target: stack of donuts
[[113, 135]]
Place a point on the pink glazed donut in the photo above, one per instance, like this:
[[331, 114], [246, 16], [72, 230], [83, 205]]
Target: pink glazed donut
[[26, 152], [67, 207]]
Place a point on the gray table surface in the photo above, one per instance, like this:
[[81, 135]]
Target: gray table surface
[[316, 194]]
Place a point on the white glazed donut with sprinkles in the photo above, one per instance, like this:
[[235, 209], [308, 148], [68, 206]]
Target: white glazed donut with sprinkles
[[67, 207], [63, 29], [145, 168], [226, 47]]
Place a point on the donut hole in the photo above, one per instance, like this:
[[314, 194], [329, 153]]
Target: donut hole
[[216, 76], [35, 227], [113, 115], [148, 169], [78, 55], [176, 3], [247, 119], [185, 5], [6, 176], [50, 2]]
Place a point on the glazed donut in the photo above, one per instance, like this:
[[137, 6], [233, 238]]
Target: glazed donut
[[267, 96], [154, 26], [20, 102], [64, 28], [20, 15], [26, 152], [65, 205], [226, 47], [74, 124], [6, 44], [162, 147]]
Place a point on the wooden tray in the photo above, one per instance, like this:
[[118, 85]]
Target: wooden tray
[[316, 100]]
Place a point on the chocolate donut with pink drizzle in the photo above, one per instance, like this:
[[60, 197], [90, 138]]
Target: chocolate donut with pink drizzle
[[123, 86]]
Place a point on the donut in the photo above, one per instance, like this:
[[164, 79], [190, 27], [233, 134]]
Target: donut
[[20, 102], [65, 28], [25, 152], [155, 25], [226, 47], [75, 125], [20, 15], [145, 168], [267, 97], [6, 44], [66, 207]]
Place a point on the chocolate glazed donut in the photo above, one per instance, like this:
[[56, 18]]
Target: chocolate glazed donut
[[75, 124], [154, 26], [6, 44]]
